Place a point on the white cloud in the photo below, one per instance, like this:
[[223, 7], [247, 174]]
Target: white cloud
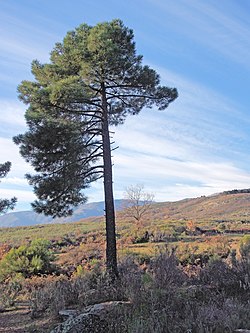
[[16, 47], [14, 181], [10, 152], [22, 195], [95, 192], [12, 114], [194, 143], [201, 121], [172, 179]]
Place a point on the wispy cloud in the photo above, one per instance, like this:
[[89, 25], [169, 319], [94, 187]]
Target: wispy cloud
[[213, 119], [14, 181], [10, 152], [22, 195], [207, 24], [201, 122], [190, 149], [25, 40], [14, 184], [169, 178], [12, 114], [22, 41]]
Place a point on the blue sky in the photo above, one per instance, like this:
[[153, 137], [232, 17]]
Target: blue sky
[[200, 144]]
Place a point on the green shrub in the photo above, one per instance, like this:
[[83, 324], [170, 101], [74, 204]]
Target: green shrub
[[27, 260], [142, 238], [245, 248]]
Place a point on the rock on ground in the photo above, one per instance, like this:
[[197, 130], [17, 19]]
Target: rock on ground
[[92, 319]]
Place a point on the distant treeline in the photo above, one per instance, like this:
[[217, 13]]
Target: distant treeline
[[247, 190]]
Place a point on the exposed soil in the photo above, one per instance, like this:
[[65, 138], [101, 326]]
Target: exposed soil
[[19, 320]]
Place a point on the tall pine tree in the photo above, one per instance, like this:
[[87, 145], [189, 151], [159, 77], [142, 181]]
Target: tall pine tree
[[94, 80]]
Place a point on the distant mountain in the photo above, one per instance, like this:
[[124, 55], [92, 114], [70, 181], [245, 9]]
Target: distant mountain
[[26, 218], [226, 206]]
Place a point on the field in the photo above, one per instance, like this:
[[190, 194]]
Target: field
[[175, 254]]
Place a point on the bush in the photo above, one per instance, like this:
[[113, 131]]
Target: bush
[[9, 292], [60, 292], [142, 238], [53, 296], [4, 249], [245, 248], [27, 260], [166, 271], [219, 275]]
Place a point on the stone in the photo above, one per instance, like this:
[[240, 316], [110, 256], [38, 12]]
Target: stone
[[68, 313], [91, 319]]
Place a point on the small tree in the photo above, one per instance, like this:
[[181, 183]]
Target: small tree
[[27, 260], [6, 204], [138, 202]]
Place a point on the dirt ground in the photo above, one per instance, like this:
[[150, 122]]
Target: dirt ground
[[19, 321]]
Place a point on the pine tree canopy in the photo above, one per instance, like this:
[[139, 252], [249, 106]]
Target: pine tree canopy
[[94, 79]]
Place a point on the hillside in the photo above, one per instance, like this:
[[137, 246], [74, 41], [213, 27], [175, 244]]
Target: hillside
[[28, 218], [217, 207]]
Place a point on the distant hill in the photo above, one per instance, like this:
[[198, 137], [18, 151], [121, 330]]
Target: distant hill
[[27, 218], [230, 205]]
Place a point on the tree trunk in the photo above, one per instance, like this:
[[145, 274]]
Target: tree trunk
[[111, 255]]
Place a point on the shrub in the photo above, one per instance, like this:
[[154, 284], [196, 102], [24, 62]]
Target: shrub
[[9, 292], [53, 296], [166, 271], [4, 249], [88, 288], [27, 260], [218, 274], [142, 238], [243, 265], [245, 248]]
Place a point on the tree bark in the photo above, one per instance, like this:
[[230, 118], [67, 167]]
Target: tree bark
[[111, 254]]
